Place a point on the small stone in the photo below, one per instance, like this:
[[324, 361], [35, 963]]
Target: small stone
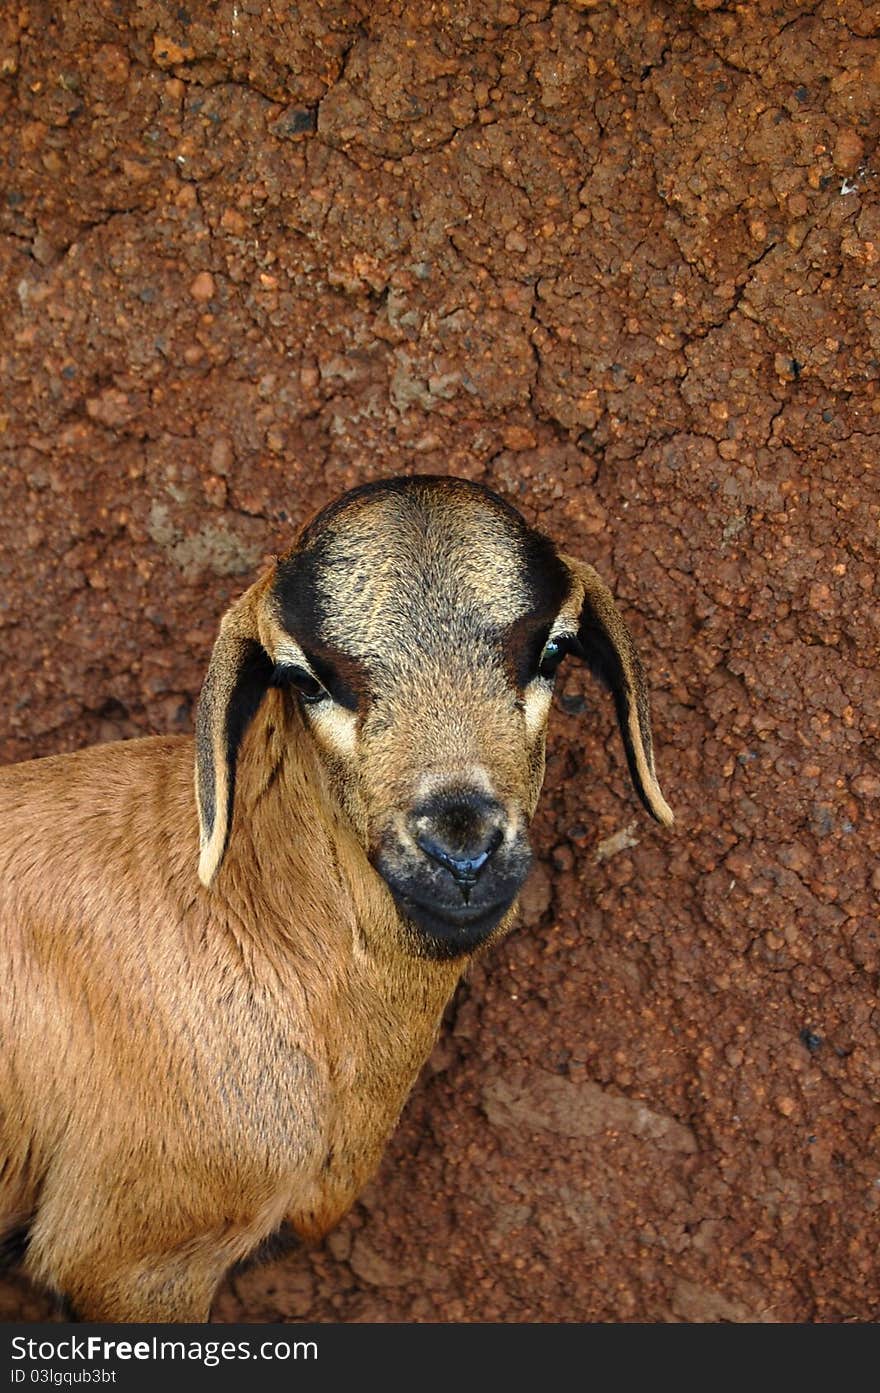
[[42, 250], [221, 455], [849, 150], [691, 1302], [111, 408], [536, 896], [784, 365], [515, 242], [297, 120], [202, 287], [786, 1106], [137, 171], [796, 857], [867, 786], [619, 841], [518, 438], [370, 1265], [820, 597], [795, 234], [431, 440], [215, 490], [233, 222], [111, 63], [166, 52]]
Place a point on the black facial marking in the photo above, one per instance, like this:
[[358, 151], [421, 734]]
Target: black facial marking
[[299, 595], [524, 643], [547, 577], [302, 614], [340, 675], [527, 637], [548, 582]]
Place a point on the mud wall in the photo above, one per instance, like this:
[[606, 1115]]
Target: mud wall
[[620, 263]]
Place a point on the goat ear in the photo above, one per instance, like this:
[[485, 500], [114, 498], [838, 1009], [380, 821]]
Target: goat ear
[[606, 646], [238, 676]]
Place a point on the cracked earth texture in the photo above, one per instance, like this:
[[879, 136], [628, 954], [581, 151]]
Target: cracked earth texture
[[620, 263]]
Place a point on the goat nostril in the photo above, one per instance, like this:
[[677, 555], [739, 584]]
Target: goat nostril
[[464, 869]]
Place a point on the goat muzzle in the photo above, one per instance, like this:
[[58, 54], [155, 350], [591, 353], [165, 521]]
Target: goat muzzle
[[454, 864]]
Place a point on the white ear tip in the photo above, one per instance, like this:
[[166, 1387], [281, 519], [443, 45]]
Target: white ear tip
[[207, 865]]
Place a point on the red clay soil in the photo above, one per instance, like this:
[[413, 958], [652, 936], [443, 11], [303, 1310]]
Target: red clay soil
[[620, 263]]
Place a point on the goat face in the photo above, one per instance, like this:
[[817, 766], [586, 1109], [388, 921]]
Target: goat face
[[420, 622]]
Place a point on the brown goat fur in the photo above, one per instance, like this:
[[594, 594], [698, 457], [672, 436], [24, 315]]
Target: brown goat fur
[[188, 1060]]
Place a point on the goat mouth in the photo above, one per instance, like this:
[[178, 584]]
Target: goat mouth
[[447, 931]]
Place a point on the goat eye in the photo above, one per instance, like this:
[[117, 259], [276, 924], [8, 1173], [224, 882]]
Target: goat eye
[[309, 687], [553, 652]]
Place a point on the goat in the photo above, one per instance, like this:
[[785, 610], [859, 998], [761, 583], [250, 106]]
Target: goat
[[210, 1023]]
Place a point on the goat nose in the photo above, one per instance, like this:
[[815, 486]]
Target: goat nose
[[463, 869], [461, 833]]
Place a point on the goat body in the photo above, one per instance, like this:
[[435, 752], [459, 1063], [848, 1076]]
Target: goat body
[[180, 1070]]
